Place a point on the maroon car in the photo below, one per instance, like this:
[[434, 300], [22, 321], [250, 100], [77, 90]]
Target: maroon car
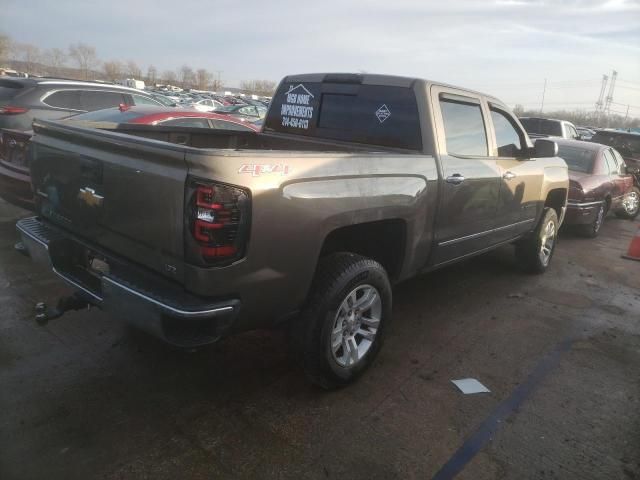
[[15, 182], [598, 183]]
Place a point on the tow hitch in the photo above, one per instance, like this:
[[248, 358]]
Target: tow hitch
[[72, 302]]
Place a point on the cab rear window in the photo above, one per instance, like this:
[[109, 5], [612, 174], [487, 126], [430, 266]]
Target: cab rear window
[[369, 114]]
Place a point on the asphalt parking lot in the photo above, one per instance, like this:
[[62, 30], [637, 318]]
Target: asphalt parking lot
[[87, 397]]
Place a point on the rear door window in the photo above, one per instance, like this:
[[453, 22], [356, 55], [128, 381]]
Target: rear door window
[[622, 166], [571, 132], [97, 99], [67, 99], [464, 128], [611, 162]]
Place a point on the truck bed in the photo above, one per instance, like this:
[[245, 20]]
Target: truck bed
[[225, 139]]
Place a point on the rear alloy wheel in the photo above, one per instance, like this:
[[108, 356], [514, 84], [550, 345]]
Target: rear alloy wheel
[[534, 252], [630, 204], [592, 229], [356, 325], [341, 329]]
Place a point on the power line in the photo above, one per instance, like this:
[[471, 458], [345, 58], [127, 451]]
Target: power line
[[629, 88]]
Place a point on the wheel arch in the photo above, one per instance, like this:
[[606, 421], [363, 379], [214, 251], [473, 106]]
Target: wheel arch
[[383, 241], [556, 198]]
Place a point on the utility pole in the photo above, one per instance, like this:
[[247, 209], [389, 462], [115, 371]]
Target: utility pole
[[626, 114], [609, 98], [603, 87], [544, 89], [219, 83]]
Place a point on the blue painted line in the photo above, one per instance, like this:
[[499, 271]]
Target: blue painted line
[[492, 423]]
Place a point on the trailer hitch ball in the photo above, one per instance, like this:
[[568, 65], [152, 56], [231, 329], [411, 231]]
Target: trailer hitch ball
[[41, 313], [45, 313]]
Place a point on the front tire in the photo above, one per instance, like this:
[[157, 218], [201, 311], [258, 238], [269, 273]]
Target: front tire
[[592, 229], [630, 205], [342, 328], [534, 252]]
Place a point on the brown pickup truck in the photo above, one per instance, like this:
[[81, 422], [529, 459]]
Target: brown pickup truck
[[355, 183]]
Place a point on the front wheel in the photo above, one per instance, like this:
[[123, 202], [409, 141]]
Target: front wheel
[[630, 204], [534, 252], [342, 327], [592, 229]]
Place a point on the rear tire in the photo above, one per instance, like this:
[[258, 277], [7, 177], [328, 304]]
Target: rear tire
[[592, 229], [342, 328], [631, 205], [534, 252]]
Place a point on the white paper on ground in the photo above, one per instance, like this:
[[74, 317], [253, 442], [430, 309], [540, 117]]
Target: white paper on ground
[[470, 385]]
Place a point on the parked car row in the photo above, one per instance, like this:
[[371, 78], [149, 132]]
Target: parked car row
[[246, 108], [24, 99], [599, 182], [604, 170]]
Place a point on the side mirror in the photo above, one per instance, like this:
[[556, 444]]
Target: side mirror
[[545, 148], [632, 170]]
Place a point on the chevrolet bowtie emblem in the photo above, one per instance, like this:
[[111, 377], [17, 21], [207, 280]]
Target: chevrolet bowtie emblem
[[90, 197]]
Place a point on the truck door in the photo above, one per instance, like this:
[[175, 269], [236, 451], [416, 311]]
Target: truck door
[[520, 176], [470, 180]]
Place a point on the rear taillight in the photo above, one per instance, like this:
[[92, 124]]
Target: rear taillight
[[9, 110], [218, 223], [576, 193]]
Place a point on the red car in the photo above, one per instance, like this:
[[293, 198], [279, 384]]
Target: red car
[[598, 183], [15, 182]]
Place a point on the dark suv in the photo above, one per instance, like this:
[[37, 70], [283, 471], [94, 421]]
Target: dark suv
[[23, 99], [627, 143]]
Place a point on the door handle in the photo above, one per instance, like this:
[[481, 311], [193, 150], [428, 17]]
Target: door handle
[[455, 179], [509, 175]]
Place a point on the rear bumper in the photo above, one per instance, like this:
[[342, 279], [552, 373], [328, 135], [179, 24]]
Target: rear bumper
[[15, 187], [581, 213], [141, 298]]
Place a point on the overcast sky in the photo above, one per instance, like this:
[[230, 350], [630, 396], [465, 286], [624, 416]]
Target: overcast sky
[[503, 47]]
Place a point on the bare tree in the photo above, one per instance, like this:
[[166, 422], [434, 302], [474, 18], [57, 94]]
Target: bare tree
[[55, 60], [29, 55], [169, 77], [203, 79], [133, 70], [5, 47], [187, 76], [112, 70], [259, 87], [85, 56], [152, 74]]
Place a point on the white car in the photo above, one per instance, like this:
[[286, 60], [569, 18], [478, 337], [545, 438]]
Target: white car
[[206, 105]]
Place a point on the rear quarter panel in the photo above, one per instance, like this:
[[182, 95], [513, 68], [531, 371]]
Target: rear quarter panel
[[298, 198]]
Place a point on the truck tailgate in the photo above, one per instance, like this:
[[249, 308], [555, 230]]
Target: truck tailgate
[[122, 193]]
